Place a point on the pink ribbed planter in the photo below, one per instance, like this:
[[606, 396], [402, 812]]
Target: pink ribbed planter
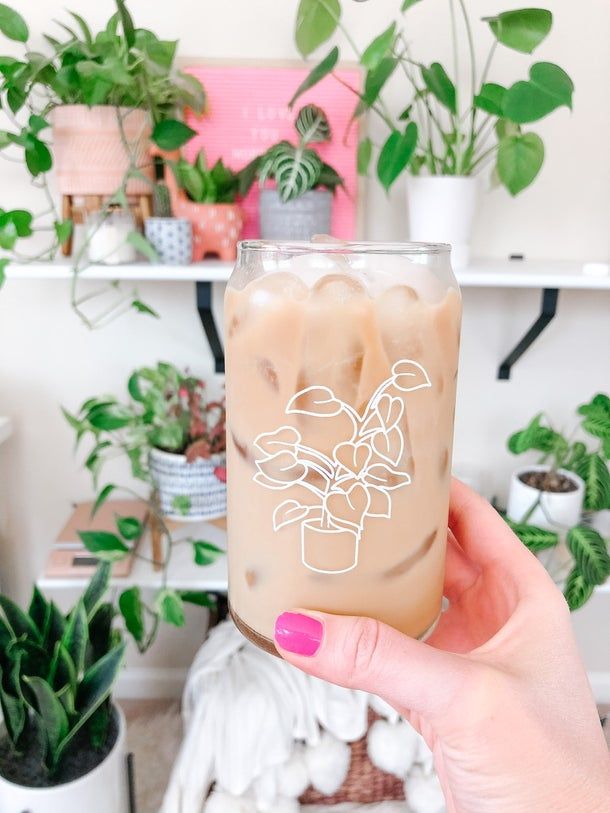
[[89, 155]]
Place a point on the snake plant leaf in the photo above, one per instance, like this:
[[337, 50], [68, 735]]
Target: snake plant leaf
[[52, 715], [13, 711], [590, 552], [19, 622], [312, 125], [76, 637], [39, 611], [63, 671]]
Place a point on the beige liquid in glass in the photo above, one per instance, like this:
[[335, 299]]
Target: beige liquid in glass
[[341, 378]]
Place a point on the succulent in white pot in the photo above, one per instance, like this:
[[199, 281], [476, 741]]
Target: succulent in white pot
[[300, 204], [552, 503], [173, 436], [448, 129], [62, 741]]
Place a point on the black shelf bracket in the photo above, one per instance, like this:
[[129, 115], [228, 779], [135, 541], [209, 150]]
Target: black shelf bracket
[[548, 309], [204, 307]]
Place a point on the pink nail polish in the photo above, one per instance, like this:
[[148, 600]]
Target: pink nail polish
[[298, 633]]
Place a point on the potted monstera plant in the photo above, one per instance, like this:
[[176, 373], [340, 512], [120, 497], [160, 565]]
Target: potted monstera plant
[[173, 437], [553, 503], [445, 135], [104, 94], [300, 204], [62, 740]]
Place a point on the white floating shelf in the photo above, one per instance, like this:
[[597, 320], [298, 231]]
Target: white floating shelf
[[480, 274], [183, 573], [6, 429]]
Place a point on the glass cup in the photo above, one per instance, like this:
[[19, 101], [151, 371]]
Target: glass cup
[[341, 374]]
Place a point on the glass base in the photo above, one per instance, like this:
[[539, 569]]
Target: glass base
[[267, 644]]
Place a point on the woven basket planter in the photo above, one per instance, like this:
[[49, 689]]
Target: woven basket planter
[[174, 476]]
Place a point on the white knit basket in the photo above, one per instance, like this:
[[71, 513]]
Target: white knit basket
[[174, 476]]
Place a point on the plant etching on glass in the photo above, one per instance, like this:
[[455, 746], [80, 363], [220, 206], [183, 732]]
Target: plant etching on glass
[[354, 483]]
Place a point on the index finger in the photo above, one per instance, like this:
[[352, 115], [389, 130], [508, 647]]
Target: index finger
[[486, 538]]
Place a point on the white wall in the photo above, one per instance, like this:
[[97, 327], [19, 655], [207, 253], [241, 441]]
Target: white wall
[[47, 358]]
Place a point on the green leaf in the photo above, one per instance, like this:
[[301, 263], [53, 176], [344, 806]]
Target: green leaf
[[522, 29], [329, 178], [379, 48], [396, 154], [13, 711], [37, 156], [295, 170], [365, 153], [142, 307], [20, 624], [170, 607], [63, 673], [106, 546], [52, 714], [57, 625], [312, 125], [490, 98], [594, 471], [322, 69], [534, 436], [548, 88], [205, 553], [83, 27], [170, 134], [536, 539], [133, 387], [94, 689], [141, 244], [182, 504], [76, 636], [590, 553], [317, 21], [376, 79], [110, 416], [520, 159], [597, 416], [407, 4], [37, 123], [130, 605], [97, 587], [130, 528], [440, 85], [577, 590], [39, 611], [12, 24], [127, 23], [63, 230], [198, 597], [23, 222], [3, 264], [102, 497]]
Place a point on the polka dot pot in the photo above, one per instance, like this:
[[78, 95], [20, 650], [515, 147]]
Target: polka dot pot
[[172, 239]]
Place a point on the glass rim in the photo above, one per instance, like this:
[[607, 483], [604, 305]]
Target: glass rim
[[342, 247]]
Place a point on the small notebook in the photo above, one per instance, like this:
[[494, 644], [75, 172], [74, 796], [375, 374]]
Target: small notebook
[[69, 557]]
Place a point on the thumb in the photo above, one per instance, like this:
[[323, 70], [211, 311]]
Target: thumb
[[361, 653]]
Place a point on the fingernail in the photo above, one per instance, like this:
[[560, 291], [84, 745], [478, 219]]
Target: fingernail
[[298, 633]]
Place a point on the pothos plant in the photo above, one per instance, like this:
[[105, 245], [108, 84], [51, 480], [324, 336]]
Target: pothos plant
[[166, 410], [121, 66], [448, 126], [295, 168], [57, 672], [589, 549]]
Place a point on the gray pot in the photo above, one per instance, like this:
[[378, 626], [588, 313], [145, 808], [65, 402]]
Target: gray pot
[[174, 477], [172, 239], [298, 219]]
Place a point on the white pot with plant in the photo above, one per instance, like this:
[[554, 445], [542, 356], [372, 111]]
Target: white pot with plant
[[449, 129], [300, 204], [62, 742], [546, 500], [173, 437]]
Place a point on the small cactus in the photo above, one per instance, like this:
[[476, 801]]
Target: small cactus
[[162, 204]]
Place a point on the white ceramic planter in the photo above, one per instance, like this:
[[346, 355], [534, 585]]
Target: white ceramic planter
[[556, 512], [174, 477], [102, 790], [441, 210]]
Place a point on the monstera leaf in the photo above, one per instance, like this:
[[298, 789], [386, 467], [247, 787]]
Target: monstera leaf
[[312, 124]]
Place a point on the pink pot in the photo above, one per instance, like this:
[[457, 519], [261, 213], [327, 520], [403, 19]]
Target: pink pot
[[89, 155], [216, 227]]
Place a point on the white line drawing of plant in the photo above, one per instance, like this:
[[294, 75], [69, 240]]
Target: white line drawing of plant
[[360, 476]]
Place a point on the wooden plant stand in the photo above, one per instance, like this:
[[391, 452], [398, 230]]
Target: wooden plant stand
[[140, 205]]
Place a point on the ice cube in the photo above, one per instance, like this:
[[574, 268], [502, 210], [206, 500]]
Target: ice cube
[[337, 289], [401, 319], [268, 373], [271, 288]]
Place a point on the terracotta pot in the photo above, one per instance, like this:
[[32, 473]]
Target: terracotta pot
[[89, 155], [216, 226]]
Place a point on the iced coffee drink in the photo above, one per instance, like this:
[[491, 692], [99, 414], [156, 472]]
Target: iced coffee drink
[[341, 375]]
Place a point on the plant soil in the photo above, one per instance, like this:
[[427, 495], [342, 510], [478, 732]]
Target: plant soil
[[551, 481], [24, 768]]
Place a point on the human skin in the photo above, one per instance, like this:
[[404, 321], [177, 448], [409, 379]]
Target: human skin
[[498, 691]]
